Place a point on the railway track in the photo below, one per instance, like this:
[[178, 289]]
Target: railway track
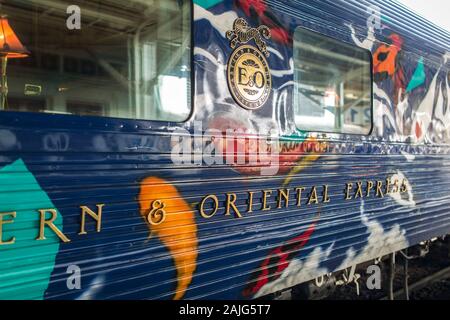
[[422, 283]]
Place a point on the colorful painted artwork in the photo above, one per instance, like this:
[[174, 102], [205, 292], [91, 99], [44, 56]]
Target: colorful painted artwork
[[170, 218], [144, 226], [26, 264]]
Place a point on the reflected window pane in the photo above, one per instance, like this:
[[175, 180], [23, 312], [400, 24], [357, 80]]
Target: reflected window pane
[[111, 58], [332, 85]]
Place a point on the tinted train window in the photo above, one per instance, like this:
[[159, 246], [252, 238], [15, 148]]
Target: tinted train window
[[332, 85], [111, 58]]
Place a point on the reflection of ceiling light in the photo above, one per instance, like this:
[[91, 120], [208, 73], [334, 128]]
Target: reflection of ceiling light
[[62, 89], [56, 112], [10, 49]]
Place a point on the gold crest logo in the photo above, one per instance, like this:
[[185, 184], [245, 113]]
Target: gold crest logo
[[249, 77]]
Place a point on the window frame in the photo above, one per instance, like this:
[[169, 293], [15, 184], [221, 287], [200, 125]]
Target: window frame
[[370, 55]]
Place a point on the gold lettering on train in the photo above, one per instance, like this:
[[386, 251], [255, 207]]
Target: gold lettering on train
[[348, 188], [231, 204], [326, 197], [369, 188], [9, 221], [250, 201], [388, 186], [215, 208], [96, 216], [157, 213], [404, 187], [283, 195], [359, 190], [395, 188], [49, 223], [299, 195], [313, 198], [266, 194], [227, 203], [379, 189]]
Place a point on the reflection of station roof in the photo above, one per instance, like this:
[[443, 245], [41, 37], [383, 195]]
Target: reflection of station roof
[[108, 28], [111, 19]]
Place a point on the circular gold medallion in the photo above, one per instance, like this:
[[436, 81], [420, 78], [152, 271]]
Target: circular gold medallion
[[249, 77]]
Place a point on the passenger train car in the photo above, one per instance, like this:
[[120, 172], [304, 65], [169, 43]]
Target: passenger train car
[[208, 149]]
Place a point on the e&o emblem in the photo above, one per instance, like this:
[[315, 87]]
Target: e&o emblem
[[249, 78]]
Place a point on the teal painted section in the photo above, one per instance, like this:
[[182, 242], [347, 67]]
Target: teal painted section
[[26, 265], [385, 19], [418, 77], [298, 136], [207, 3]]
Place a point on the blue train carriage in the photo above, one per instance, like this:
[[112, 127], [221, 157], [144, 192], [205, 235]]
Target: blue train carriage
[[215, 149]]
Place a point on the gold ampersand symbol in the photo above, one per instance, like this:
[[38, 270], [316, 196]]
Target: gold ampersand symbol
[[157, 214]]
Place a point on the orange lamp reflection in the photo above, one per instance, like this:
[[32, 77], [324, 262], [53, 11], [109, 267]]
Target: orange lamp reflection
[[10, 48]]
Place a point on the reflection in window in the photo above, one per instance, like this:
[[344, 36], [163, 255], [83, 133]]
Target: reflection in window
[[332, 85], [127, 60]]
